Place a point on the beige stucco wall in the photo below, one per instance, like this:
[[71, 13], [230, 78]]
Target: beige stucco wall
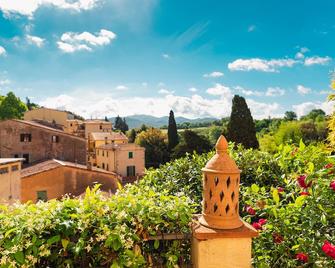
[[49, 115], [10, 183], [65, 180], [99, 126], [118, 159]]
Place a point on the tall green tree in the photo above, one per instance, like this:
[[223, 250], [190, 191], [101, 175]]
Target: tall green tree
[[132, 135], [191, 142], [12, 107], [31, 105], [290, 116], [118, 122], [241, 127], [125, 126], [173, 138]]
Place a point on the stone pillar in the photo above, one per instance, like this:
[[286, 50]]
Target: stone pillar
[[221, 238]]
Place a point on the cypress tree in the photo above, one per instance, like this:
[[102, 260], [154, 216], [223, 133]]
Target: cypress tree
[[132, 135], [173, 138], [118, 123], [241, 127]]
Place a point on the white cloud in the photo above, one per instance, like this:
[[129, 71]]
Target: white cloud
[[71, 42], [214, 74], [91, 104], [2, 51], [164, 91], [35, 40], [193, 89], [166, 56], [220, 90], [5, 82], [303, 90], [257, 64], [305, 107], [251, 28], [121, 87], [28, 7], [301, 53], [249, 92], [275, 92], [316, 60], [325, 92]]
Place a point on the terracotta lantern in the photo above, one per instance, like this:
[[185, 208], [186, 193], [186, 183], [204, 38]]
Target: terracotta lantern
[[221, 182]]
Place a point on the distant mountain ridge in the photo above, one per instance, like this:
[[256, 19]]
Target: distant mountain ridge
[[135, 121]]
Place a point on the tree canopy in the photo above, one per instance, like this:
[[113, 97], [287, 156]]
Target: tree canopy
[[11, 107]]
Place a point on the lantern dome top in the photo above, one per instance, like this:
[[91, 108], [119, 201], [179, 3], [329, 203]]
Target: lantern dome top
[[221, 162]]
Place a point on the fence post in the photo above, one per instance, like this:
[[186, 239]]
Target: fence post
[[222, 239]]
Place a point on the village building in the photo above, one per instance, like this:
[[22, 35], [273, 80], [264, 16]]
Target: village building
[[126, 159], [10, 180], [53, 179], [47, 115], [36, 142]]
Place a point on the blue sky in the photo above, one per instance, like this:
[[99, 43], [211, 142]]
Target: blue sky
[[107, 57]]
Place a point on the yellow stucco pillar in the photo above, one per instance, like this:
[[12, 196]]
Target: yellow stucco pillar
[[221, 238]]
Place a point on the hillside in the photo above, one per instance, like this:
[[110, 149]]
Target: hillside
[[135, 121]]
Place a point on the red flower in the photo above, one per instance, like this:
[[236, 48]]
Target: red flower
[[304, 193], [280, 189], [277, 238], [329, 249], [329, 165], [257, 226], [301, 257], [302, 181], [332, 185], [262, 221], [250, 210]]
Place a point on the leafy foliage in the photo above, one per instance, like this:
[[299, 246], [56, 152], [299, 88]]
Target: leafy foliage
[[11, 107]]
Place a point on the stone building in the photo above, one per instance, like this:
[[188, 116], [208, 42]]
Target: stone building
[[53, 179], [51, 116], [127, 159], [36, 142], [10, 180]]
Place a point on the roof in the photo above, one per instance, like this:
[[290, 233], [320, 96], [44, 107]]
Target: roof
[[54, 163], [38, 125], [45, 108], [120, 146], [108, 135], [4, 161]]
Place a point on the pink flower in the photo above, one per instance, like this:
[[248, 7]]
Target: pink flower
[[257, 226], [262, 221], [302, 181], [332, 185], [329, 249], [280, 189], [304, 193], [250, 210], [329, 165], [301, 257]]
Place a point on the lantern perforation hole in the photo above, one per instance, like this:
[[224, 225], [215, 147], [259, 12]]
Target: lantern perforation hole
[[236, 208], [206, 179], [232, 196], [228, 182], [210, 194], [227, 209], [215, 207], [221, 196], [216, 180], [205, 205]]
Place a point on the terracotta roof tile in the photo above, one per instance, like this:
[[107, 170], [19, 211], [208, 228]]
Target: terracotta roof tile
[[108, 135]]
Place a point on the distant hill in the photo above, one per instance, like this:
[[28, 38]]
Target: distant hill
[[135, 121]]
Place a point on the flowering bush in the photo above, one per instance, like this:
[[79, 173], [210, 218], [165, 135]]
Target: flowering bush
[[96, 231]]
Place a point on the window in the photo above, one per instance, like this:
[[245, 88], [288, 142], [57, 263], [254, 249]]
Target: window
[[107, 153], [130, 171], [107, 167], [54, 139], [25, 137], [16, 156], [15, 168], [26, 158], [42, 196], [130, 155], [103, 165], [103, 153], [3, 170], [100, 126]]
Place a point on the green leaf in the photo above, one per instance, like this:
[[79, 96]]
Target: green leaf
[[65, 243], [323, 219], [19, 257], [302, 145], [310, 167], [53, 239], [156, 244], [10, 231], [255, 188], [300, 200], [275, 196]]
